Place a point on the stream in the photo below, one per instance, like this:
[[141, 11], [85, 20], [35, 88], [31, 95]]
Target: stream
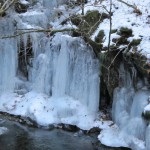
[[22, 137]]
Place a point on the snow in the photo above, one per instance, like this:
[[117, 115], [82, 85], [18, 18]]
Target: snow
[[47, 110], [113, 137], [147, 108], [103, 124], [3, 130], [24, 2], [32, 13], [123, 16]]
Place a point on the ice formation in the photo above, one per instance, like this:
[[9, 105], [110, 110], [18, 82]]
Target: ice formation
[[62, 80]]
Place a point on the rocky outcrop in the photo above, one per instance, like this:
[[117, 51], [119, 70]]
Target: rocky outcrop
[[129, 55]]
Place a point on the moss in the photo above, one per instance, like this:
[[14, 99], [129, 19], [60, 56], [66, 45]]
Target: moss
[[88, 24], [104, 16], [111, 77], [113, 31], [92, 16], [76, 20], [103, 57], [125, 32], [100, 36], [120, 41], [139, 61], [96, 46], [135, 42]]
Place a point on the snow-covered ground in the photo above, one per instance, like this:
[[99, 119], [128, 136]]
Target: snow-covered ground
[[50, 110], [124, 16], [114, 137], [66, 72]]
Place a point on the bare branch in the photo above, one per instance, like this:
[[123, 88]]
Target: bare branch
[[136, 10], [110, 24], [7, 4], [129, 5], [26, 31]]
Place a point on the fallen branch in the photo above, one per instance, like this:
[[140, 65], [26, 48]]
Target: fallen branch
[[136, 10], [7, 4], [96, 46], [26, 31]]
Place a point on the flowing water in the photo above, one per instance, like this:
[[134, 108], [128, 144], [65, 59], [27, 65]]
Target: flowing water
[[20, 137]]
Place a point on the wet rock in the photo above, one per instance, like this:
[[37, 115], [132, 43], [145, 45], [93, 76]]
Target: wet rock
[[146, 115], [94, 130], [67, 127]]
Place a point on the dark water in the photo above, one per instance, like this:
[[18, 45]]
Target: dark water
[[21, 137]]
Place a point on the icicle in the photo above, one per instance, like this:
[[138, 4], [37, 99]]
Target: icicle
[[148, 138], [25, 38], [68, 68], [8, 57], [127, 109]]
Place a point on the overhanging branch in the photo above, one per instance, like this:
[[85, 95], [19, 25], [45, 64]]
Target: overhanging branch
[[26, 31]]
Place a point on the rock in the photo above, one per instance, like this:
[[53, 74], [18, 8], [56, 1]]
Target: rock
[[100, 36], [94, 130], [81, 1], [21, 6], [70, 128], [146, 115]]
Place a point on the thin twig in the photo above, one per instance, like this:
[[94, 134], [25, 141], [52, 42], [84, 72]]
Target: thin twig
[[110, 25], [35, 30]]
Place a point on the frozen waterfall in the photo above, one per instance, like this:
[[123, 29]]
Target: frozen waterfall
[[8, 57], [62, 82], [128, 105], [68, 67]]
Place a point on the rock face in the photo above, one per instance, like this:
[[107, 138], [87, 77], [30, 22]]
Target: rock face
[[141, 63], [125, 75], [110, 72], [129, 55]]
